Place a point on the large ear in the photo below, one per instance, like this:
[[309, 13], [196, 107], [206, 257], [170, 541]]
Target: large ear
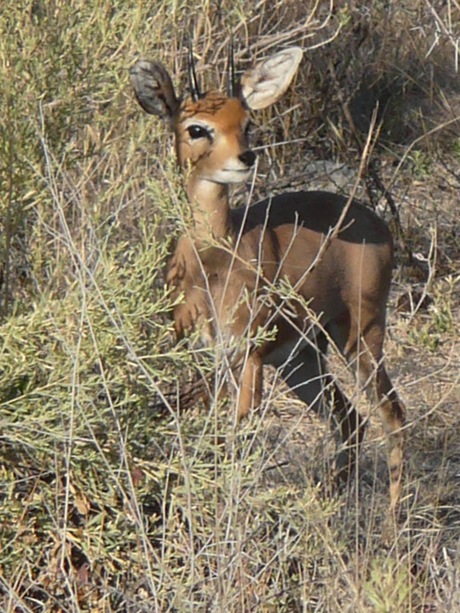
[[154, 89], [267, 82]]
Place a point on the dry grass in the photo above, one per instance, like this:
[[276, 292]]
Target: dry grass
[[109, 506]]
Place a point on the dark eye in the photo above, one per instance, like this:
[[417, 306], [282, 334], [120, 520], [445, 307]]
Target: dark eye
[[198, 132]]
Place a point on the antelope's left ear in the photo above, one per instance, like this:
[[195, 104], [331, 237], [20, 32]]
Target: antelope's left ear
[[267, 82]]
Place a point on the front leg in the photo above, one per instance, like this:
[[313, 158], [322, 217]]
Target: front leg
[[250, 386], [184, 320]]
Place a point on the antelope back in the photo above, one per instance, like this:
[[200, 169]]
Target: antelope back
[[211, 128]]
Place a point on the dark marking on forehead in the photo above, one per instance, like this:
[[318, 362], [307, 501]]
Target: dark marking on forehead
[[210, 104]]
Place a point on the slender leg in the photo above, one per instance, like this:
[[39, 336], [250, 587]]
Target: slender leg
[[306, 374], [351, 427], [393, 416], [250, 388], [362, 346]]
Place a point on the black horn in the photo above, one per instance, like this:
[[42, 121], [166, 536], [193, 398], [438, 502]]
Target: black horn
[[231, 79], [194, 87]]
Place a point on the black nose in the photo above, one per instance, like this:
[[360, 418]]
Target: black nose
[[248, 158]]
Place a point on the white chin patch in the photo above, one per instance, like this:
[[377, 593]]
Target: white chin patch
[[231, 175]]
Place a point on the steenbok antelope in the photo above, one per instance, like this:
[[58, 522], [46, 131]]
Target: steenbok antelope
[[335, 253]]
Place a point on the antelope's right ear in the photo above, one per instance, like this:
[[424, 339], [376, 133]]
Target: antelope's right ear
[[154, 89]]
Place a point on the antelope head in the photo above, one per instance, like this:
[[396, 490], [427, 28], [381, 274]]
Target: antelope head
[[211, 129]]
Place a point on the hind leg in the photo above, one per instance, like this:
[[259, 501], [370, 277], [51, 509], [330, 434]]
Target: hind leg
[[307, 375], [393, 415], [362, 347]]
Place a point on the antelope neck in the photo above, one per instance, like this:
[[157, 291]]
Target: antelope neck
[[210, 209]]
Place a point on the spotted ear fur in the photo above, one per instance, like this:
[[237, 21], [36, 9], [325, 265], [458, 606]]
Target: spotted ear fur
[[154, 89], [267, 82]]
